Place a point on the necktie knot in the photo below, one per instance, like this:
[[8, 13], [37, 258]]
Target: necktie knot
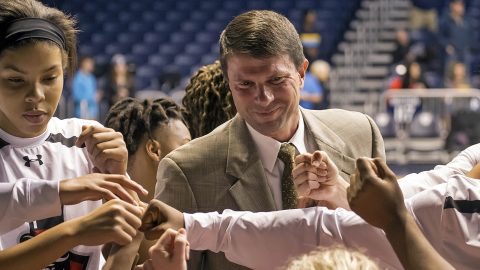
[[287, 153]]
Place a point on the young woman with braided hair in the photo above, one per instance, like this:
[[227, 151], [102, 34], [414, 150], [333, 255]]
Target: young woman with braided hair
[[151, 130], [208, 101]]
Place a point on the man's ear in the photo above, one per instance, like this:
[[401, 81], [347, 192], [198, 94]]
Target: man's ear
[[302, 71], [153, 150]]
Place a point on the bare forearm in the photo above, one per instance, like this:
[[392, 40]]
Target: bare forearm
[[41, 250], [123, 257], [411, 246]]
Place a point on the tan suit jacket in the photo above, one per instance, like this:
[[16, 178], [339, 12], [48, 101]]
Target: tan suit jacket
[[222, 170]]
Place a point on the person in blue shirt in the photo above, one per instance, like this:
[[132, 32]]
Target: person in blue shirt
[[84, 90], [311, 95]]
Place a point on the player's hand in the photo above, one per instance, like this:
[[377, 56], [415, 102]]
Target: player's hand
[[115, 221], [316, 176], [171, 252], [99, 186], [106, 148], [375, 195], [158, 218]]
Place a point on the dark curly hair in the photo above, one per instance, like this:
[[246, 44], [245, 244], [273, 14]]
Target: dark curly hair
[[207, 101], [135, 118]]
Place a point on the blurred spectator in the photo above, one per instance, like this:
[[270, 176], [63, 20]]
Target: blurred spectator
[[455, 36], [207, 100], [424, 47], [321, 70], [84, 89], [119, 83], [311, 95], [457, 77], [423, 14], [309, 35], [410, 77], [402, 47]]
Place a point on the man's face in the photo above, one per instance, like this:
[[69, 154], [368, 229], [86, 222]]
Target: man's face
[[266, 92]]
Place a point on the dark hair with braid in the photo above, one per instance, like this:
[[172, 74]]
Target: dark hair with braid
[[135, 118], [207, 100]]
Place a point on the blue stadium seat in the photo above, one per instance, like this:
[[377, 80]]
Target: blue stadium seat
[[224, 16], [88, 50], [156, 38], [258, 5], [196, 48], [207, 37], [192, 27], [187, 6], [209, 5], [282, 6], [175, 16], [234, 6], [138, 26], [307, 4], [158, 61], [209, 59], [181, 38], [169, 49], [144, 48], [113, 48], [145, 76], [215, 27], [199, 16], [185, 63], [129, 37]]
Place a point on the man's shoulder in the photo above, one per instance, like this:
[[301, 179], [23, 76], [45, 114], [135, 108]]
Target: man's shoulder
[[213, 142], [335, 116], [345, 124]]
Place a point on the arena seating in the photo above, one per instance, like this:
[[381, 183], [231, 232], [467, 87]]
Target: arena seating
[[183, 35]]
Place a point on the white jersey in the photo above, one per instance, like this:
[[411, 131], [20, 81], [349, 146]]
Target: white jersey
[[464, 162], [448, 214], [30, 171]]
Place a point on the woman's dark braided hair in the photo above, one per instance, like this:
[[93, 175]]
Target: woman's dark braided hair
[[207, 100], [135, 118]]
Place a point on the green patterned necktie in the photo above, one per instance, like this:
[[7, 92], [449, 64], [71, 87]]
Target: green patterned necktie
[[289, 194]]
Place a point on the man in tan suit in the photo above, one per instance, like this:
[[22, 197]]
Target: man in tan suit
[[236, 166]]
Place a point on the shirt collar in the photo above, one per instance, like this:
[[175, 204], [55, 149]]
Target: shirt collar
[[268, 147], [24, 142]]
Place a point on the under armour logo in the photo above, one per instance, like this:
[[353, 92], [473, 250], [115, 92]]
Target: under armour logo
[[28, 160]]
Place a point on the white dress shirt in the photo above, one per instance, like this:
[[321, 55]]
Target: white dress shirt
[[267, 240], [268, 149]]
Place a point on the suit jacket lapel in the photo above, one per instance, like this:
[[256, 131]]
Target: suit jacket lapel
[[328, 141], [251, 191]]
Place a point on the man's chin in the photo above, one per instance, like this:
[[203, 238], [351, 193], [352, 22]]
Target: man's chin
[[267, 128]]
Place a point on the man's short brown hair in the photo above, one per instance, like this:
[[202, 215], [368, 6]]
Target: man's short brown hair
[[260, 33]]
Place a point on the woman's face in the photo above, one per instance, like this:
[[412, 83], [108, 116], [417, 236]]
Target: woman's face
[[172, 136], [415, 71], [31, 83]]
